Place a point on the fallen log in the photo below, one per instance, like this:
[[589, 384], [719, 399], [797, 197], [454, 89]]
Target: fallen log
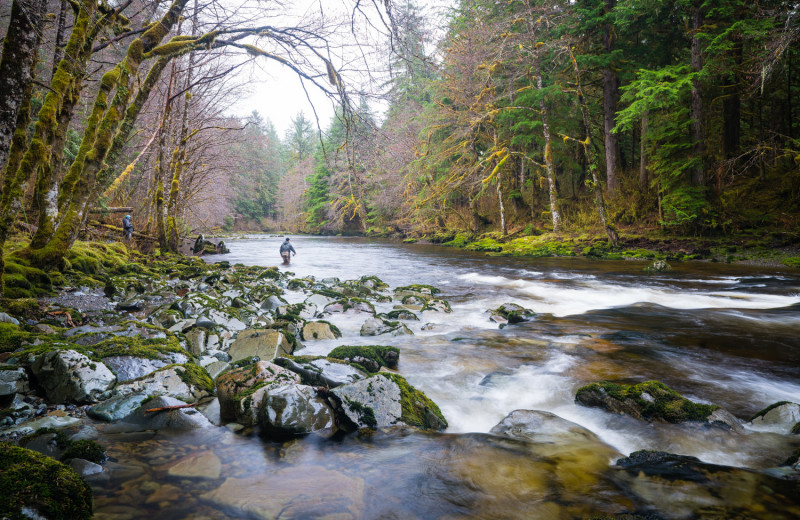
[[112, 210], [169, 408], [135, 233]]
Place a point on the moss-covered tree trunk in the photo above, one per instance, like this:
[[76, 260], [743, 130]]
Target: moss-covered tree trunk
[[555, 215], [16, 67], [107, 114]]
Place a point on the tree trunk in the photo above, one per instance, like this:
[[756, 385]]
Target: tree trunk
[[591, 158], [503, 228], [548, 151], [16, 67], [643, 173], [698, 135], [610, 97]]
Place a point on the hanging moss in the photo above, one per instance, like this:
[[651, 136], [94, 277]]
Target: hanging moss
[[31, 480]]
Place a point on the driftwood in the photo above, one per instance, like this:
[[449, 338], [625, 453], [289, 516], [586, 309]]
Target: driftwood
[[112, 210], [169, 408]]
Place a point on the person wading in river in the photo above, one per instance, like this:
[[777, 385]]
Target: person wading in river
[[286, 248]]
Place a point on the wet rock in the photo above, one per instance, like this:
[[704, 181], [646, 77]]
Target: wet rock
[[658, 266], [322, 372], [46, 443], [350, 305], [334, 493], [379, 326], [289, 410], [384, 400], [176, 419], [116, 408], [319, 300], [68, 376], [238, 390], [133, 305], [13, 380], [437, 305], [188, 382], [320, 330], [50, 421], [651, 401], [296, 312], [214, 369], [85, 468], [201, 466], [540, 426], [399, 314], [264, 343], [371, 357], [369, 403], [511, 313], [781, 417], [128, 368], [5, 318]]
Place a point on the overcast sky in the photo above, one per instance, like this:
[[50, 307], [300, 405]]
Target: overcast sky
[[277, 94]]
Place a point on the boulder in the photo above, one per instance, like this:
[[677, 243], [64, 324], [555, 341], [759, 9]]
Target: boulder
[[371, 357], [356, 305], [384, 400], [378, 326], [117, 408], [264, 343], [197, 340], [68, 376], [651, 401], [177, 419], [272, 302], [540, 426], [132, 367], [781, 417], [320, 330], [322, 371], [511, 313], [289, 410], [13, 380], [238, 390], [437, 305], [188, 382], [319, 300]]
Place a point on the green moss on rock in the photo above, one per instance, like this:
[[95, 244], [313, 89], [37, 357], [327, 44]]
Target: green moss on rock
[[381, 355], [650, 400], [767, 409], [31, 480], [195, 375], [84, 449], [418, 409]]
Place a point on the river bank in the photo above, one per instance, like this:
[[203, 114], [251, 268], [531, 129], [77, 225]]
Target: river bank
[[478, 366]]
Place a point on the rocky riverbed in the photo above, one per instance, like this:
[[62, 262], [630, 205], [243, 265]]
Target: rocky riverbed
[[181, 346]]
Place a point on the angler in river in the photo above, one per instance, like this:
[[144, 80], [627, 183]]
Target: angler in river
[[287, 248]]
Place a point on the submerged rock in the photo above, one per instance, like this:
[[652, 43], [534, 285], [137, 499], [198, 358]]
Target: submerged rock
[[540, 426], [68, 376]]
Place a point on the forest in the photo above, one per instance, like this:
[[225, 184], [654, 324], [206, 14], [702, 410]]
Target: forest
[[616, 118]]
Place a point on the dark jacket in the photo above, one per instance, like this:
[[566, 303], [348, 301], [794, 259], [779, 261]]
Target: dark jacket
[[127, 225], [286, 247]]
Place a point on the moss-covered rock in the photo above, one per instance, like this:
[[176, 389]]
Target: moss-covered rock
[[32, 481], [650, 401], [369, 357], [418, 409], [511, 313], [84, 449]]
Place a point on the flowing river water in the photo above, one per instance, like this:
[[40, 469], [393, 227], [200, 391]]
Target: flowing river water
[[728, 335]]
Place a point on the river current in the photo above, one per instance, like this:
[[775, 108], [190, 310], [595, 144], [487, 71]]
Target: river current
[[728, 335]]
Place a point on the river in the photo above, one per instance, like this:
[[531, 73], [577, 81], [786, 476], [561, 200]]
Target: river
[[722, 334]]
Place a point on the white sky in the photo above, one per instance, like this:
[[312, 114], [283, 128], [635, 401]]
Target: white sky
[[277, 93]]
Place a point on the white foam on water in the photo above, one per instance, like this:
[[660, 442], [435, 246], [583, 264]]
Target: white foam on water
[[562, 300]]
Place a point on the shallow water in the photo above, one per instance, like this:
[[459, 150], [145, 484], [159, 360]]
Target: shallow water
[[724, 334]]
